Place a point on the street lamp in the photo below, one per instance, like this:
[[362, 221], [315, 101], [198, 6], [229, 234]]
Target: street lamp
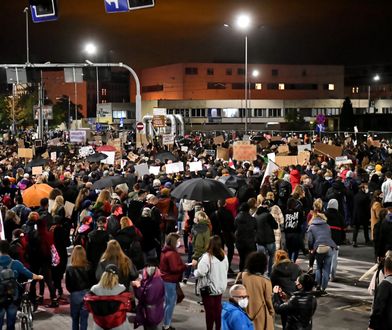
[[243, 23], [376, 78], [91, 49]]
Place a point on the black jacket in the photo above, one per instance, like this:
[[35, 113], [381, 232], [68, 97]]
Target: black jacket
[[78, 278], [361, 214], [96, 246], [381, 317], [299, 310], [222, 222], [266, 224], [149, 228], [285, 274], [338, 192], [130, 243], [385, 236], [245, 232], [336, 222]]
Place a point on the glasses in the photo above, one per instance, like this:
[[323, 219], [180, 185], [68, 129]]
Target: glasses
[[241, 297]]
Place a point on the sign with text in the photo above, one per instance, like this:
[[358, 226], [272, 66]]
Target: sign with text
[[195, 166], [283, 148], [222, 153], [331, 151], [174, 167], [77, 136], [36, 170], [304, 147], [155, 170], [25, 153], [142, 169], [167, 139], [244, 152], [219, 139], [284, 161]]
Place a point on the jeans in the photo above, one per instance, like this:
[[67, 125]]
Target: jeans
[[11, 311], [79, 313], [323, 268], [213, 309], [269, 251], [334, 262], [170, 302]]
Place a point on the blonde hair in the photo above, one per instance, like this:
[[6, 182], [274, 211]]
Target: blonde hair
[[83, 193], [108, 280], [103, 196], [201, 215], [318, 210], [58, 202], [125, 222], [78, 257], [114, 254], [270, 195], [298, 190]]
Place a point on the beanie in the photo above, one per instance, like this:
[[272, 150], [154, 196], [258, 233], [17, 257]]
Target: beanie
[[333, 204]]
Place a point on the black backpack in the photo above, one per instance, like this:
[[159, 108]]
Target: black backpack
[[283, 190], [8, 285]]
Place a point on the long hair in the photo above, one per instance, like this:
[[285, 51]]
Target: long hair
[[83, 193], [318, 210], [114, 254], [281, 255], [54, 193], [78, 257], [58, 202], [108, 280], [125, 222], [215, 247], [376, 196], [103, 196]]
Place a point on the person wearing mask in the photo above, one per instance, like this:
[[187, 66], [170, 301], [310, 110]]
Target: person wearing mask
[[259, 289], [301, 306], [212, 281], [96, 242], [381, 317], [150, 293], [234, 315], [321, 243], [171, 267], [201, 233], [78, 280], [17, 267], [361, 213], [245, 231]]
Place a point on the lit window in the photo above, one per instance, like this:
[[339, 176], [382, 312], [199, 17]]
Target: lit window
[[357, 90], [353, 90], [331, 87], [281, 87], [258, 86], [103, 91]]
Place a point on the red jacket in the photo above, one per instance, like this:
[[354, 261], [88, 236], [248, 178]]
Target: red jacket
[[295, 178], [171, 265]]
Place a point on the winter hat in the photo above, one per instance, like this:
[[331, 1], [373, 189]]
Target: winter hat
[[156, 183], [146, 212], [378, 168], [333, 204], [168, 185]]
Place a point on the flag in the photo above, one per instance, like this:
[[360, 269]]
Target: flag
[[271, 168], [2, 234], [231, 164]]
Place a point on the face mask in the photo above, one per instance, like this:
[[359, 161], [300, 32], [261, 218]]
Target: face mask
[[243, 303], [366, 190], [150, 270]]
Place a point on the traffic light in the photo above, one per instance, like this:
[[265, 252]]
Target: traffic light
[[139, 4]]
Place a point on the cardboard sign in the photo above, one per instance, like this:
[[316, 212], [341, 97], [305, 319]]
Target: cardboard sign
[[276, 138], [222, 153], [36, 170], [284, 148], [304, 147], [68, 208], [184, 148], [111, 157], [53, 142], [20, 143], [53, 156], [271, 156], [132, 157], [210, 152], [219, 140], [167, 139], [264, 144], [244, 152], [195, 166], [241, 142], [45, 155], [77, 136], [142, 169], [303, 157], [174, 167], [155, 170], [284, 161], [25, 153], [294, 142], [331, 151]]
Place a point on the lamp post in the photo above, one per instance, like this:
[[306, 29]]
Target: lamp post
[[26, 11], [91, 49], [376, 78], [243, 23]]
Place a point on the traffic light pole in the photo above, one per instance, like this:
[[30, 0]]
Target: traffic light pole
[[138, 98]]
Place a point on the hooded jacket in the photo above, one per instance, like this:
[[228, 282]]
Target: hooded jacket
[[235, 318], [295, 178], [285, 274], [336, 223], [319, 233], [385, 232], [245, 232], [201, 236], [266, 224]]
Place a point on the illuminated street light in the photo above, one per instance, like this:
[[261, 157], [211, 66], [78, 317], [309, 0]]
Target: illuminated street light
[[376, 77], [255, 73], [90, 48], [243, 22]]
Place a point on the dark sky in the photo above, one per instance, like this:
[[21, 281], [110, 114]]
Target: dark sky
[[285, 31]]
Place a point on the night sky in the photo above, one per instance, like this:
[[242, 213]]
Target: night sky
[[284, 32]]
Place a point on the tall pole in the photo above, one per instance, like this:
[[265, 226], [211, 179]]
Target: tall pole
[[26, 11], [98, 111], [246, 84], [368, 99], [76, 106], [69, 112], [13, 109]]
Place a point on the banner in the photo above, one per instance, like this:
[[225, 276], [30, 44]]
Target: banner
[[284, 161], [195, 166], [244, 152], [167, 139], [25, 153], [77, 136], [331, 151], [219, 139], [86, 151], [155, 170], [36, 170], [304, 147], [141, 169], [222, 153], [174, 168], [111, 157]]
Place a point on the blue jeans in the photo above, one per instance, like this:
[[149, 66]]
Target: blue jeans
[[170, 302], [323, 268], [11, 311], [79, 313], [269, 251], [334, 262]]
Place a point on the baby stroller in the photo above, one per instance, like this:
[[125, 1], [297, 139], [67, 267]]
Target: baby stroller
[[108, 311]]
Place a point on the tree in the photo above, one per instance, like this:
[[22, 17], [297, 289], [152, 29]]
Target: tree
[[24, 107], [347, 119], [61, 111], [295, 119], [5, 111]]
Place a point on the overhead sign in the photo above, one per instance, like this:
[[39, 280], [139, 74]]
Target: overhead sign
[[47, 112], [116, 6], [43, 11], [140, 4]]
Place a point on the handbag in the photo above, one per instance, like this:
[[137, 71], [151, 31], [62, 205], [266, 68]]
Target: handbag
[[55, 256], [180, 293], [205, 283], [323, 249]]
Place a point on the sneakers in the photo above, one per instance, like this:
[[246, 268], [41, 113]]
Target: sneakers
[[54, 304], [323, 293]]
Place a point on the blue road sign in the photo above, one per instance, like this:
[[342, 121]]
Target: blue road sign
[[116, 6], [42, 13], [121, 122]]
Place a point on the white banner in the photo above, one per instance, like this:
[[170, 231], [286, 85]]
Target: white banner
[[174, 167], [86, 151], [271, 156], [167, 139], [111, 157], [141, 169], [154, 170], [195, 166], [302, 147], [77, 136], [2, 233]]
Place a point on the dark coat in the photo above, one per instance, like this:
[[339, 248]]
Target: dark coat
[[385, 234], [361, 215], [96, 246], [336, 223], [381, 317], [338, 192], [78, 278], [149, 228], [130, 243], [266, 224], [285, 274], [245, 232]]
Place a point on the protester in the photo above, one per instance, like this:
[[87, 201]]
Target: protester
[[361, 214], [201, 233], [293, 220], [96, 242]]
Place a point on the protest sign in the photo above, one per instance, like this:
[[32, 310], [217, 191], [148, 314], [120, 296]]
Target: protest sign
[[142, 169], [304, 147], [244, 152], [210, 152], [271, 156], [184, 148], [111, 157], [45, 155], [68, 208], [86, 151], [222, 153], [284, 161], [195, 166], [174, 167], [219, 139], [276, 138], [331, 151], [155, 170], [115, 143], [284, 148], [53, 156], [77, 136], [25, 153], [36, 170], [167, 139], [20, 143], [303, 157], [132, 157]]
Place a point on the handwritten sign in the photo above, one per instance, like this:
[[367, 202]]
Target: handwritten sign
[[244, 151], [284, 161], [283, 149], [167, 139], [36, 170], [304, 147], [155, 170], [25, 153], [77, 136], [142, 169], [195, 166], [222, 153], [219, 139]]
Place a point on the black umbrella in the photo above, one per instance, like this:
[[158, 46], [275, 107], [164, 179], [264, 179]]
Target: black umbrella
[[109, 181], [97, 157], [166, 155], [36, 162], [232, 181], [202, 190]]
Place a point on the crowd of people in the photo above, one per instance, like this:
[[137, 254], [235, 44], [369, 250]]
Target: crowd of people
[[133, 246]]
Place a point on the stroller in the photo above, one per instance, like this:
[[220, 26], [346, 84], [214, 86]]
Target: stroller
[[108, 311]]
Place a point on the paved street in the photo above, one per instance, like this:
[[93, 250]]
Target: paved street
[[346, 307]]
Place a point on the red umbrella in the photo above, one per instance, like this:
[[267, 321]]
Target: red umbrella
[[106, 148]]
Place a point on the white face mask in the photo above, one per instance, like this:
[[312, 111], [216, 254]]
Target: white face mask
[[150, 270], [243, 303]]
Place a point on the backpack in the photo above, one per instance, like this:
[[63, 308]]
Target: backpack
[[8, 285], [284, 191]]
